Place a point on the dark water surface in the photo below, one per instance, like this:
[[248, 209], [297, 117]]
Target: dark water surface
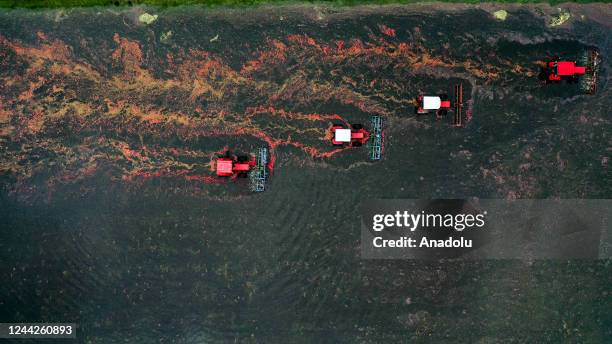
[[166, 260]]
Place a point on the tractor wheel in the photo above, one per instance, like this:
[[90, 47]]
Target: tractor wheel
[[441, 112], [543, 75]]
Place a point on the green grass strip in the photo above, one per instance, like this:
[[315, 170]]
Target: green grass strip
[[237, 3]]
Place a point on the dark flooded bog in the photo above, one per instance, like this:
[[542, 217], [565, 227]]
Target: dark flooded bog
[[112, 217]]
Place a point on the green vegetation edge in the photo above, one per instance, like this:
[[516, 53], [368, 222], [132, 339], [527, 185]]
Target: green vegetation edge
[[239, 3]]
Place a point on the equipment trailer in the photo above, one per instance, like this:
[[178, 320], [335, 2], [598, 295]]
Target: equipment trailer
[[260, 171], [591, 60], [377, 144], [458, 113]]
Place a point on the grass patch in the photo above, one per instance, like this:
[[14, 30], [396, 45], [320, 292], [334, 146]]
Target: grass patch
[[233, 3]]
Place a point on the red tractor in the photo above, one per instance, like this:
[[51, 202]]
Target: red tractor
[[558, 70], [584, 72], [234, 166], [441, 105], [355, 136], [255, 168]]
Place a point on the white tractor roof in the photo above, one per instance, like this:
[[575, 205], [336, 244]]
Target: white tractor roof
[[342, 135], [431, 103]]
